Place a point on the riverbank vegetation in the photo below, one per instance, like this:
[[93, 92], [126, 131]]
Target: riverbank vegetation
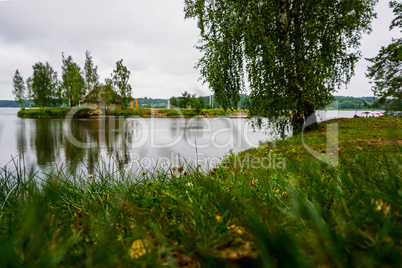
[[62, 112], [292, 210], [53, 112]]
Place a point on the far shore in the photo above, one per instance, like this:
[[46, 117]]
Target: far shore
[[62, 112]]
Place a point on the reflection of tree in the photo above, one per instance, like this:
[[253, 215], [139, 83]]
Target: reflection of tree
[[48, 135], [107, 136], [121, 152], [195, 128], [74, 155], [84, 131], [175, 127], [111, 138], [21, 138]]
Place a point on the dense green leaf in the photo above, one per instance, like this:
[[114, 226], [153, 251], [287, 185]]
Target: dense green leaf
[[292, 55]]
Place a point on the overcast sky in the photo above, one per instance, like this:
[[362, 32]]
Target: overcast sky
[[152, 38]]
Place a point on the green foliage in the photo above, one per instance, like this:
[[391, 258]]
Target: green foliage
[[19, 88], [397, 21], [174, 102], [152, 103], [91, 78], [197, 104], [189, 112], [43, 112], [294, 54], [213, 112], [192, 112], [73, 83], [29, 91], [185, 100], [85, 113], [170, 112], [108, 93], [306, 214], [120, 77], [386, 71], [179, 112], [353, 103], [131, 112], [44, 85], [45, 89]]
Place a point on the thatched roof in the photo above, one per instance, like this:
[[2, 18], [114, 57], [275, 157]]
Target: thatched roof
[[98, 99]]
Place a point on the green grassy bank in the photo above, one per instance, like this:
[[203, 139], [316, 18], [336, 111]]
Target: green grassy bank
[[272, 206], [57, 112], [53, 112]]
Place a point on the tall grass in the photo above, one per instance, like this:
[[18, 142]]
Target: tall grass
[[307, 214]]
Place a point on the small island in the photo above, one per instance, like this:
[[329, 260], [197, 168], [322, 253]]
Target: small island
[[60, 112]]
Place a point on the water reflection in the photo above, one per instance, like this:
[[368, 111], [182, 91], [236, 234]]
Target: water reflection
[[107, 138], [21, 138], [80, 144], [47, 140], [133, 142]]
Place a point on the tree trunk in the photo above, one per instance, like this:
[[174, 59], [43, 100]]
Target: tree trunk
[[304, 123]]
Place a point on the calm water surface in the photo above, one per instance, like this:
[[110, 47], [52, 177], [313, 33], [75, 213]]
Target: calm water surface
[[83, 144]]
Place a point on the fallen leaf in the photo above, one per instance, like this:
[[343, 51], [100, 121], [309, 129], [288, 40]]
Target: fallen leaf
[[237, 229], [382, 206], [137, 249]]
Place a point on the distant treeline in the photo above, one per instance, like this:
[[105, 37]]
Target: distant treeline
[[351, 103], [11, 103], [152, 103], [341, 102]]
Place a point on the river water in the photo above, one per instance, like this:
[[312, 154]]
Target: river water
[[137, 143]]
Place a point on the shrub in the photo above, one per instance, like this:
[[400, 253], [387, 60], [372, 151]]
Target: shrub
[[213, 112], [131, 112], [44, 112]]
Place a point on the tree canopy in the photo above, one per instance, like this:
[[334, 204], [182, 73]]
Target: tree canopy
[[120, 78], [73, 83], [44, 85], [386, 71], [19, 88], [290, 55], [29, 90], [91, 78], [186, 100], [108, 93], [46, 90]]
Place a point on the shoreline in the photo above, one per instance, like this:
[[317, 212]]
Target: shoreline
[[59, 113], [88, 113]]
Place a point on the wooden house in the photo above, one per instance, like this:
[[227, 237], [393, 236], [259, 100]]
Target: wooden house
[[99, 103]]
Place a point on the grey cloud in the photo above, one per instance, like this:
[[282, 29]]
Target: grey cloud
[[151, 36]]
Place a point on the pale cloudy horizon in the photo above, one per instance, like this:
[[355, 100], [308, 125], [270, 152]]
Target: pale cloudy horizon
[[152, 37]]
